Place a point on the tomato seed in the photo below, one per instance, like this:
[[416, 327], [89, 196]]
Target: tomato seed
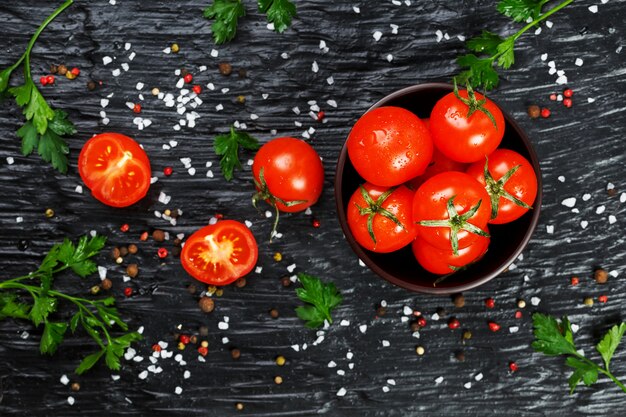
[[162, 252], [493, 326], [568, 92], [453, 323], [545, 113], [490, 302], [188, 78]]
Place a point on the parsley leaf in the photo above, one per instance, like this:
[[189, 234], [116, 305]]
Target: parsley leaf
[[521, 10], [552, 338], [42, 307], [323, 297], [479, 72], [227, 145], [506, 56], [10, 307], [4, 79], [88, 362], [77, 257], [279, 12], [486, 43], [610, 341], [52, 337], [226, 14]]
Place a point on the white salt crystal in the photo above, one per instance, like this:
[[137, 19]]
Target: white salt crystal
[[569, 202], [342, 391], [578, 62], [377, 35]]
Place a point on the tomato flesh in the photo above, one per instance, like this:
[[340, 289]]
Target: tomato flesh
[[221, 253], [444, 261], [115, 168]]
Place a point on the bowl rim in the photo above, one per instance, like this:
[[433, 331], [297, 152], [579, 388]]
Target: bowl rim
[[363, 254]]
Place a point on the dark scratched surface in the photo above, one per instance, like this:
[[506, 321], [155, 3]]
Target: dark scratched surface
[[581, 151]]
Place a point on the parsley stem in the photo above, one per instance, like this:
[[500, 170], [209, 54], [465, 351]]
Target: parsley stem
[[542, 17], [603, 371], [41, 28]]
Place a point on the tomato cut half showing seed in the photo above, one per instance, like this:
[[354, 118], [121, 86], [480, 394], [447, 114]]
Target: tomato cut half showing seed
[[115, 168], [220, 253]]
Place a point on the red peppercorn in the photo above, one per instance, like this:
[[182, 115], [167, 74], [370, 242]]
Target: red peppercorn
[[219, 216], [518, 314], [513, 366], [168, 171], [125, 227], [184, 339], [568, 92], [156, 347], [603, 298], [453, 323], [162, 252], [137, 108], [50, 79], [320, 116], [490, 302], [575, 281], [553, 97], [128, 291], [75, 71], [493, 326], [43, 80], [144, 236], [197, 89], [545, 112], [316, 223], [188, 78], [567, 102], [203, 351], [421, 322]]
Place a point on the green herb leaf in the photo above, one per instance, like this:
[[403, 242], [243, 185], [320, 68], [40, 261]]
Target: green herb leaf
[[115, 350], [52, 148], [60, 125], [507, 56], [279, 12], [587, 372], [227, 146], [42, 307], [30, 138], [4, 79], [551, 336], [52, 337], [479, 73], [89, 362], [226, 14], [77, 257], [609, 343], [486, 43], [10, 307], [521, 10], [75, 320], [324, 298]]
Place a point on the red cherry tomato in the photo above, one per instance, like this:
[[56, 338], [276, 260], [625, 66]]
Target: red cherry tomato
[[522, 185], [431, 204], [292, 171], [462, 138], [444, 261], [221, 253], [115, 168], [388, 236], [389, 145]]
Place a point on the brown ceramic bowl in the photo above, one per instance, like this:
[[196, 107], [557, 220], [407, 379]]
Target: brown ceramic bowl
[[400, 268]]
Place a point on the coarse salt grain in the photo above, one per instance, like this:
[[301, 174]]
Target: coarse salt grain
[[64, 379], [386, 343], [467, 385], [438, 380], [544, 57], [574, 327], [535, 301], [70, 400], [222, 325], [342, 391], [178, 390], [586, 197], [584, 224], [332, 364], [569, 202], [344, 323], [593, 8], [513, 329], [407, 311], [377, 35], [612, 219], [578, 62], [363, 328], [385, 388]]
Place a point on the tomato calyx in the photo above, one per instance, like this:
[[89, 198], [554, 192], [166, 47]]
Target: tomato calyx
[[375, 207], [495, 189], [473, 103], [457, 222], [264, 194]]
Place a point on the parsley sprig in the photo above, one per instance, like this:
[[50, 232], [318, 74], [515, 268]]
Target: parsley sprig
[[226, 13], [490, 49], [322, 297], [556, 338], [44, 128], [227, 146], [96, 317]]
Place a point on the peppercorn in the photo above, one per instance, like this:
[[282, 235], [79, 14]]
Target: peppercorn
[[568, 93], [70, 75], [453, 323], [320, 116], [196, 89], [204, 331], [421, 322], [545, 113], [243, 73], [420, 350], [176, 251], [132, 249], [235, 353], [137, 108], [188, 78], [181, 346], [49, 213], [183, 71], [240, 283], [225, 68], [144, 236], [22, 244], [315, 223], [54, 69], [75, 71], [158, 235], [175, 48], [467, 335], [204, 343], [459, 355], [203, 351], [285, 281], [155, 91], [167, 212], [381, 311], [575, 281], [567, 102], [125, 227], [191, 289], [274, 313], [458, 300], [490, 302], [119, 260], [177, 242], [415, 327], [241, 99], [601, 276], [123, 251], [94, 290], [50, 79], [518, 314], [61, 69], [162, 253], [132, 270], [278, 256], [534, 111], [603, 299], [91, 85], [106, 284], [278, 380], [280, 360], [184, 339], [43, 80], [75, 386], [493, 326], [219, 292], [521, 303], [441, 312], [552, 97], [239, 406], [513, 366], [156, 347], [128, 291], [611, 192], [206, 304]]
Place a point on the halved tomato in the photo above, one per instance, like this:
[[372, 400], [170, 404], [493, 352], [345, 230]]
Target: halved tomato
[[115, 168], [220, 253]]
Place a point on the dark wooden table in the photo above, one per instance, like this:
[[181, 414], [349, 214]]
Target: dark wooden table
[[581, 149]]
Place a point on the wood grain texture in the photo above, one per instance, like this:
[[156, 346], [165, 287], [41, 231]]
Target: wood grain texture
[[585, 145]]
